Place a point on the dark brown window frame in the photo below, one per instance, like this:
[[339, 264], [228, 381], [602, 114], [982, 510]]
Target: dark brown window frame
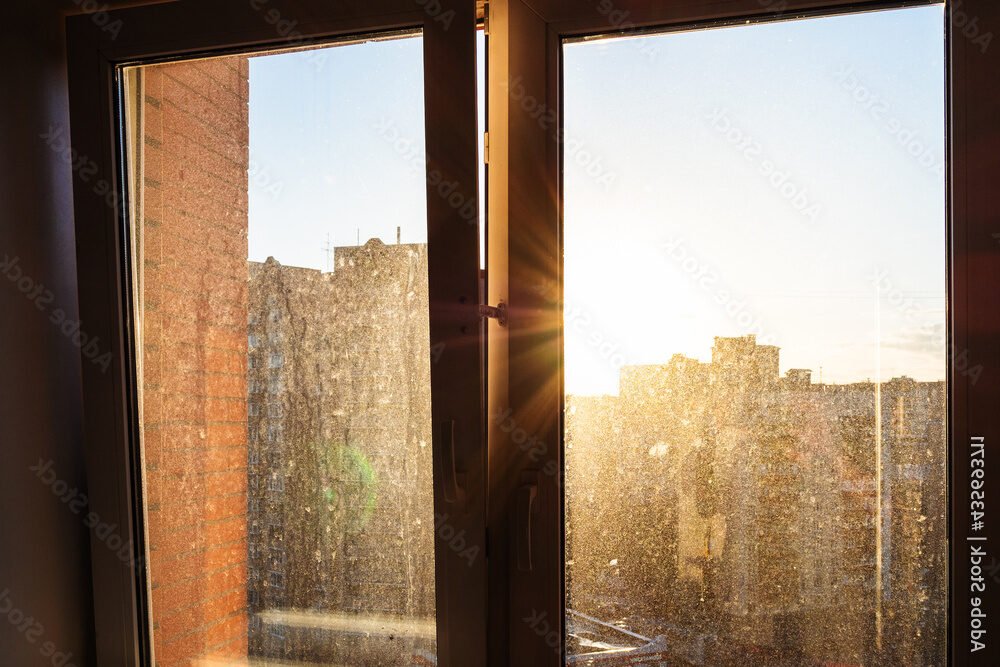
[[525, 358], [193, 28]]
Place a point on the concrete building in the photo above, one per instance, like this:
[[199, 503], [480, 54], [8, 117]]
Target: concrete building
[[787, 520], [340, 507]]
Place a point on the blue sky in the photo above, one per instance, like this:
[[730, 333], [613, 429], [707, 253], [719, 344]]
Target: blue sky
[[687, 237], [337, 148], [753, 179], [322, 166]]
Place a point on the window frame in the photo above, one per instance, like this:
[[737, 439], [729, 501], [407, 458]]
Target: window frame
[[193, 28], [525, 373], [524, 366]]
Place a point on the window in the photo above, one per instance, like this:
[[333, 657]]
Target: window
[[279, 557], [276, 483], [302, 384], [776, 424], [759, 512], [189, 115], [279, 198]]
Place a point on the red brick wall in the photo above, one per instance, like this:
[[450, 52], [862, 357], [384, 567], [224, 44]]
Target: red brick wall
[[193, 275]]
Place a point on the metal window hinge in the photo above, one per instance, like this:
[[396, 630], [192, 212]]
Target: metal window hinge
[[498, 313], [486, 148]]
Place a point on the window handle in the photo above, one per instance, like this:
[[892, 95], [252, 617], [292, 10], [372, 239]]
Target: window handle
[[526, 495], [453, 477]]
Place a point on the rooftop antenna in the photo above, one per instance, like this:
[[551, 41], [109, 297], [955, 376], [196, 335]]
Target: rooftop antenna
[[327, 250]]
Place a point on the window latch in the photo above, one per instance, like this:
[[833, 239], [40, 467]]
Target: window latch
[[498, 313]]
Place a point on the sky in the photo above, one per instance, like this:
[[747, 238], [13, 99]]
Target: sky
[[337, 149], [782, 179]]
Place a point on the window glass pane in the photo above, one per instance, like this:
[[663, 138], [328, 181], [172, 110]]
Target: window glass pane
[[279, 239], [755, 344]]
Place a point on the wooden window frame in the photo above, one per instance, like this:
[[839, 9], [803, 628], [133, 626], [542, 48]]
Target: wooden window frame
[[98, 46], [525, 381]]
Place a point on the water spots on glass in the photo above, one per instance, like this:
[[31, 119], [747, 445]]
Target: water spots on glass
[[762, 481], [285, 406]]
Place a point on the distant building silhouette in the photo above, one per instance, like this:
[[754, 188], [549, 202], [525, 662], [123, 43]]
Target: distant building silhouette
[[340, 504], [731, 515], [739, 512]]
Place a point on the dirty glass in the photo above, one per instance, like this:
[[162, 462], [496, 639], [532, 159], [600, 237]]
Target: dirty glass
[[755, 344], [278, 230]]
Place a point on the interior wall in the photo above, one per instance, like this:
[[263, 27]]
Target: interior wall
[[45, 595]]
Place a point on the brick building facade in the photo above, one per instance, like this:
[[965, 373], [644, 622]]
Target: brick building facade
[[189, 156]]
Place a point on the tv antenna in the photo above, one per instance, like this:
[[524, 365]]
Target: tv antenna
[[327, 253]]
